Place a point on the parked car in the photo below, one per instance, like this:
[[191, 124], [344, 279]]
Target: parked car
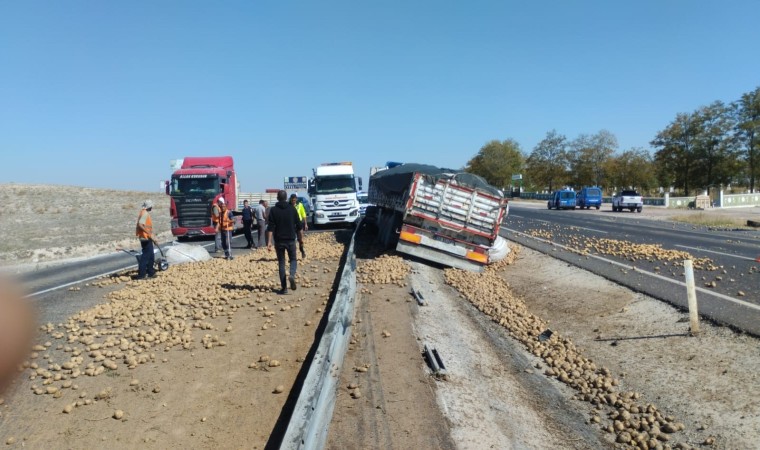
[[588, 197], [630, 200], [562, 199]]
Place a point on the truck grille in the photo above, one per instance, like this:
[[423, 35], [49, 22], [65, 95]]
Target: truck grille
[[193, 215], [336, 205]]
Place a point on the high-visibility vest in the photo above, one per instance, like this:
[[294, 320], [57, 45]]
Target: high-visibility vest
[[227, 224], [301, 211], [215, 213], [139, 232]]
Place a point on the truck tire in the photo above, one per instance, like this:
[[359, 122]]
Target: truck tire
[[638, 209], [548, 205], [597, 207]]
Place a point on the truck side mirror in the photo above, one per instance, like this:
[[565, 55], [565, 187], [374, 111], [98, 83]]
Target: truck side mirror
[[167, 187], [360, 183]]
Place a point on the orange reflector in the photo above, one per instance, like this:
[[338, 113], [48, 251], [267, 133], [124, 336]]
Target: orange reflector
[[411, 237], [479, 257]]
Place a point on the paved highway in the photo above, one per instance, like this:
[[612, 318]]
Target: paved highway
[[727, 277], [48, 287]]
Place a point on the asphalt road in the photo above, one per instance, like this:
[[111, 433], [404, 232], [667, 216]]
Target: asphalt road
[[728, 293], [48, 288]]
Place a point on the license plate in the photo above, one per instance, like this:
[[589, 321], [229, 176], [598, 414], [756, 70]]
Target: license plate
[[445, 240]]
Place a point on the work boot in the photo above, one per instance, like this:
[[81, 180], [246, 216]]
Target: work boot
[[292, 283]]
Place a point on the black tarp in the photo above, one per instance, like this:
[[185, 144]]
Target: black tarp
[[397, 179]]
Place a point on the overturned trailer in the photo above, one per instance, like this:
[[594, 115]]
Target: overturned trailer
[[441, 215]]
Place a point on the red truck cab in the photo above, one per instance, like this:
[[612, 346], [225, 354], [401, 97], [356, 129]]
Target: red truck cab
[[197, 185]]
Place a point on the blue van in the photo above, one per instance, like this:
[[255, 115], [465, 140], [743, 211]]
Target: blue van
[[562, 199], [589, 196]]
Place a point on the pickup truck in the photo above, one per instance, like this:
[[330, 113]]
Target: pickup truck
[[627, 200]]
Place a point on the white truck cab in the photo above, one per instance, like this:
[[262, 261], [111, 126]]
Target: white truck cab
[[333, 194]]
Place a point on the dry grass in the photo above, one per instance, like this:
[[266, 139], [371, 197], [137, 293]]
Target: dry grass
[[710, 220], [42, 223]]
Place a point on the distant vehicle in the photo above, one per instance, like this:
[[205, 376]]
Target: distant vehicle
[[363, 198], [562, 199], [333, 194], [630, 200], [588, 197], [194, 188]]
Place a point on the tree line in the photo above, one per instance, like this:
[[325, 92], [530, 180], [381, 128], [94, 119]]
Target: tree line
[[715, 146]]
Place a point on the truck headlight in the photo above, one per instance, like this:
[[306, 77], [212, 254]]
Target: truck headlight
[[353, 212]]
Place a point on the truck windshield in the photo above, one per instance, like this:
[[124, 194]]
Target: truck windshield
[[335, 184], [567, 195], [195, 186]]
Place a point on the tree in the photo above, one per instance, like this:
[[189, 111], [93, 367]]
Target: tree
[[589, 155], [747, 133], [547, 164], [716, 159], [497, 162], [675, 155], [632, 168]]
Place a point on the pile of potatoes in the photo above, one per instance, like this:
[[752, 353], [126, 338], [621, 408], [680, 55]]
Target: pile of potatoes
[[635, 424], [175, 310], [385, 269], [644, 252]]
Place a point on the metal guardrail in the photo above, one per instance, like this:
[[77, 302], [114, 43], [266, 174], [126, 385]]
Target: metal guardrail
[[314, 408]]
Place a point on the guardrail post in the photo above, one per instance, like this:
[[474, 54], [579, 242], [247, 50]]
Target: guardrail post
[[691, 294]]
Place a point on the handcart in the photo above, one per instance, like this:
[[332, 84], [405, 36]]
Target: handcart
[[161, 263]]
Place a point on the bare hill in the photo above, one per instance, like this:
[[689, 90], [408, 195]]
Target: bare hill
[[48, 223]]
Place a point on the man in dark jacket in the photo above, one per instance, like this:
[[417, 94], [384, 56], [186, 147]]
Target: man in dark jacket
[[247, 213], [284, 227]]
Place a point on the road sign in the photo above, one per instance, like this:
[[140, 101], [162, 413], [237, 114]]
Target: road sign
[[296, 183], [517, 176]]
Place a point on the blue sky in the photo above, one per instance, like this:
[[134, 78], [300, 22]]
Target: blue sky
[[106, 93]]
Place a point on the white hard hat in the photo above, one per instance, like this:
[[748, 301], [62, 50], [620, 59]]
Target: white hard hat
[[147, 204], [221, 200]]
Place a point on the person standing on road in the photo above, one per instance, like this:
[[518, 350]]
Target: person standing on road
[[247, 214], [225, 227], [301, 210], [144, 231], [283, 229], [261, 223], [215, 211]]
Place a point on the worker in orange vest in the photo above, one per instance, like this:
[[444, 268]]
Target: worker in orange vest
[[144, 231], [225, 227]]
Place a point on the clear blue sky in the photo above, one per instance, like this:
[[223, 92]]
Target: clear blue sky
[[106, 93]]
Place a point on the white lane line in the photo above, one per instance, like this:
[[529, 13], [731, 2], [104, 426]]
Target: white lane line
[[645, 272], [589, 229], [80, 281], [717, 253], [97, 276], [569, 226]]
